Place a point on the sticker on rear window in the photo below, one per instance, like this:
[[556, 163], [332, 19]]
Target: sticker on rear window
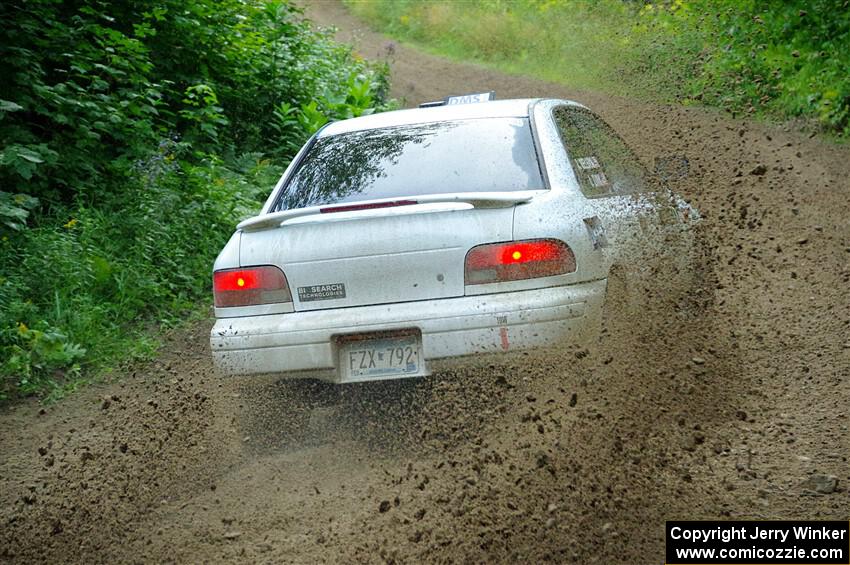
[[598, 180], [321, 292], [586, 163]]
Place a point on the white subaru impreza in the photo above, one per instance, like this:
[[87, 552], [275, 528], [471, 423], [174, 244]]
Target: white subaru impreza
[[403, 240]]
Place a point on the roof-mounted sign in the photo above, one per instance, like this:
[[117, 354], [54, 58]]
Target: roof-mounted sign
[[461, 99]]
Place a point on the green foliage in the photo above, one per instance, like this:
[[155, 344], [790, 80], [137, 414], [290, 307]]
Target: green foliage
[[34, 354], [89, 86], [202, 110], [288, 128], [311, 118], [783, 58], [133, 136], [14, 210], [787, 58], [141, 255]]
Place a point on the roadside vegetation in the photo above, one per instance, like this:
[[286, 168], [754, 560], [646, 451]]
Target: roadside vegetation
[[783, 59], [133, 136]]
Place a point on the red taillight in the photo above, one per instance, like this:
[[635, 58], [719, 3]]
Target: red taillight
[[366, 206], [250, 286], [518, 260]]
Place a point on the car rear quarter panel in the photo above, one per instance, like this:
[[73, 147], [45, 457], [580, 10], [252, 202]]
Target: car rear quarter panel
[[629, 222], [562, 212], [228, 258]]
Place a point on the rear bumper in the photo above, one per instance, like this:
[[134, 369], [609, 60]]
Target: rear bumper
[[302, 344]]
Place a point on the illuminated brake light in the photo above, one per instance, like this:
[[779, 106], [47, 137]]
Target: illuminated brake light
[[367, 206], [250, 286], [518, 260]]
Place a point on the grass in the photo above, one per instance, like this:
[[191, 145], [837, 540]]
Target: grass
[[517, 37], [773, 59]]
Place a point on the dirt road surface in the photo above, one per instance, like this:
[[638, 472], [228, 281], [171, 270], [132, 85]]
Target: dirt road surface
[[728, 402]]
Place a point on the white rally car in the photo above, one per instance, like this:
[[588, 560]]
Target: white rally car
[[408, 239]]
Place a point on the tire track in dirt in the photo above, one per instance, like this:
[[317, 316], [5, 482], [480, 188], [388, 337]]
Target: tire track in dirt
[[696, 404]]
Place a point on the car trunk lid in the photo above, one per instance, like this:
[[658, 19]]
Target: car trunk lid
[[380, 255]]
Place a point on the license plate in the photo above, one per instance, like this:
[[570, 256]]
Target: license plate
[[371, 358]]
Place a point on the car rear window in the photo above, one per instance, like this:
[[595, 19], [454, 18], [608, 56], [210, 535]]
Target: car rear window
[[486, 154]]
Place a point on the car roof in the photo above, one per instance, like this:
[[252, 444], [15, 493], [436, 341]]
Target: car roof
[[496, 109]]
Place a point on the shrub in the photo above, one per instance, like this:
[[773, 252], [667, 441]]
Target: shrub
[[785, 58], [133, 136]]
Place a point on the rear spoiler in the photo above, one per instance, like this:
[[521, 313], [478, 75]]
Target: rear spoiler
[[476, 199]]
